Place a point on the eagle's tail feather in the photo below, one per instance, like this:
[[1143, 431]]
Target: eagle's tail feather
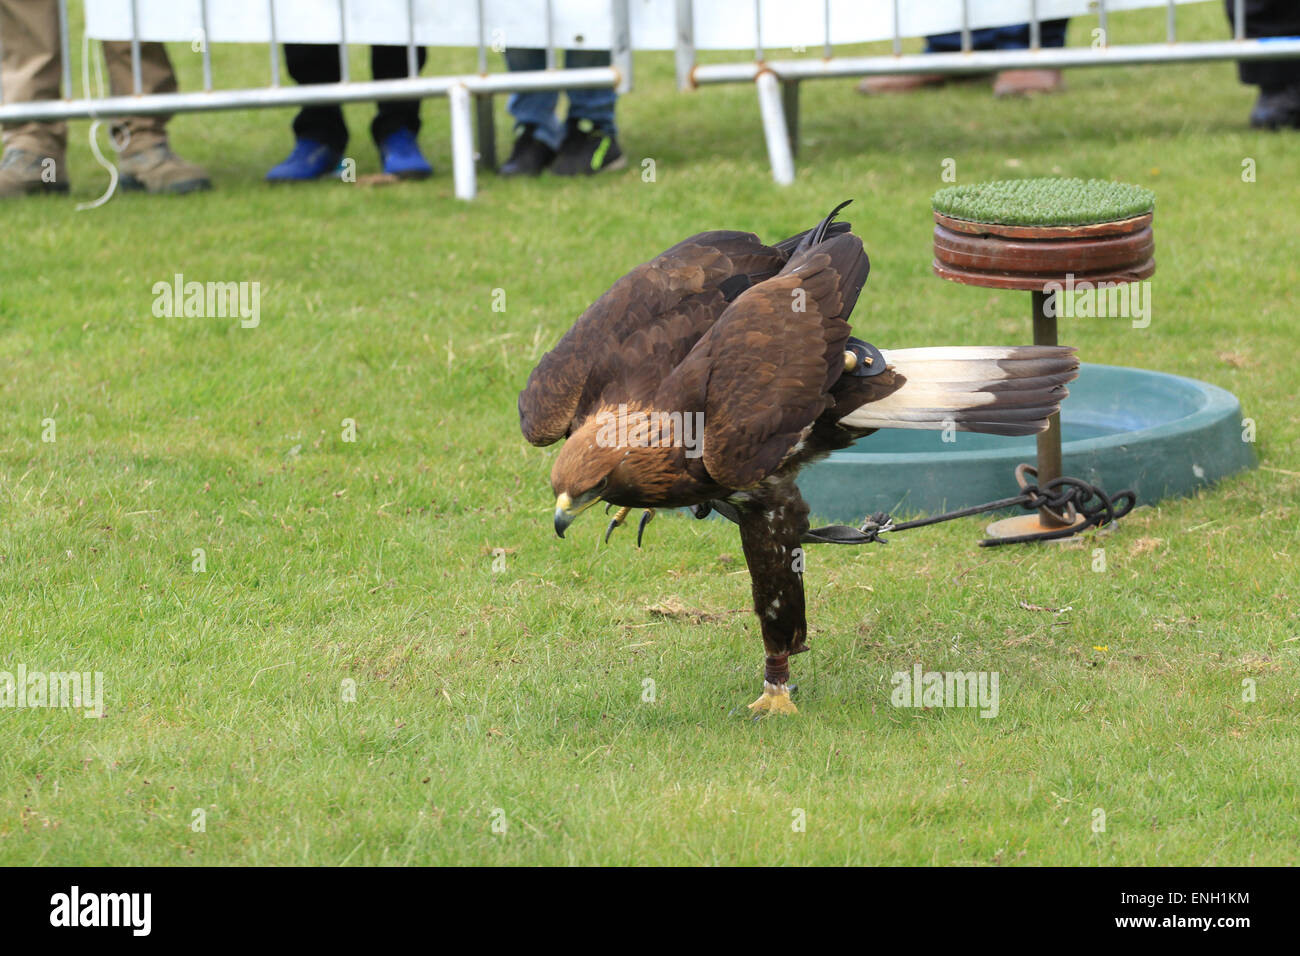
[[1010, 390]]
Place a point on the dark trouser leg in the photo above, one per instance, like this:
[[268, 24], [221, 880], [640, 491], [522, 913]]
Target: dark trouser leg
[[317, 63], [1051, 33], [390, 63], [596, 105], [1269, 18]]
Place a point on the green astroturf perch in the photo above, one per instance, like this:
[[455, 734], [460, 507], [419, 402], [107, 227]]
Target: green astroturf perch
[[1044, 202]]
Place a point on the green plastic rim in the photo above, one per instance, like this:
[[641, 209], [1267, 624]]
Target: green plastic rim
[[1161, 435], [1050, 201]]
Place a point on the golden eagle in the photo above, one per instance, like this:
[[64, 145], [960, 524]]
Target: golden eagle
[[708, 376]]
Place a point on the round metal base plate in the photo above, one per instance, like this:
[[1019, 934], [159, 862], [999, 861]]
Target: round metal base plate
[[1028, 524]]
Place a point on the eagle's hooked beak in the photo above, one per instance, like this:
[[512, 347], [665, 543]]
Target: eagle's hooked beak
[[566, 509]]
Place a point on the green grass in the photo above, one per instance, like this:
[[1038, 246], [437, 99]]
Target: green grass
[[1044, 201], [521, 690]]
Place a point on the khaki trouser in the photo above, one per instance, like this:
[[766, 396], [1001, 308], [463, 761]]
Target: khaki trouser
[[31, 69]]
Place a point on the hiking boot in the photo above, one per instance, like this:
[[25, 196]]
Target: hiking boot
[[24, 173], [529, 155], [587, 150], [402, 157], [157, 169], [1027, 82], [309, 160], [1277, 108]]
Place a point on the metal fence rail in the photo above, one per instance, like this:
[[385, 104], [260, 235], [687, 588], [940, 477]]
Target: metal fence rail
[[459, 90], [641, 25], [777, 81]]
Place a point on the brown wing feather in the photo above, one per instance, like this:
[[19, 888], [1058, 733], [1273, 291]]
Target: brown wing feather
[[764, 371], [637, 332]]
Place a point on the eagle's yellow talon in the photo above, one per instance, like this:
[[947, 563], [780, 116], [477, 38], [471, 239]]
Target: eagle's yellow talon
[[775, 700]]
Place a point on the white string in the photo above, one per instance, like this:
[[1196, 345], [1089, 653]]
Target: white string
[[94, 126]]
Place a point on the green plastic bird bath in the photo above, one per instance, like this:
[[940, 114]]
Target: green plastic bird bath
[[1161, 435]]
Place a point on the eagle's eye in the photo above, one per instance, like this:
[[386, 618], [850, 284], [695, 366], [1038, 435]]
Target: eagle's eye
[[600, 485]]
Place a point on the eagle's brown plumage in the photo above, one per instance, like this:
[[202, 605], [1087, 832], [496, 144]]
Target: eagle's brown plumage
[[748, 341]]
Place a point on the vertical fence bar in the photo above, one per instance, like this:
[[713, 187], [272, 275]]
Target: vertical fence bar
[[482, 37], [275, 46], [67, 90], [790, 106], [966, 42], [1171, 22], [827, 50], [135, 49], [758, 31], [1239, 20], [485, 126], [484, 107], [462, 143], [64, 49], [622, 54], [412, 61], [685, 43], [1048, 465], [1035, 27], [774, 128], [1103, 21], [344, 70], [550, 36], [207, 46], [898, 32]]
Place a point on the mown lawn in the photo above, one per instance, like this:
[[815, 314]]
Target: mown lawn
[[515, 696]]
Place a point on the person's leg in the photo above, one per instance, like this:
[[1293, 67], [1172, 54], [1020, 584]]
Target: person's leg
[[983, 39], [156, 76], [319, 132], [389, 63], [590, 136], [910, 82], [1051, 33], [310, 63], [943, 43], [397, 122], [538, 132], [147, 161], [534, 110], [596, 105], [1278, 80], [34, 153]]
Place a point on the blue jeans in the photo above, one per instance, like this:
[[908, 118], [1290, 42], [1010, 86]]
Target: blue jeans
[[1051, 34], [537, 108]]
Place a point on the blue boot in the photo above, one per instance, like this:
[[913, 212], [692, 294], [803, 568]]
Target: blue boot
[[309, 160], [402, 157]]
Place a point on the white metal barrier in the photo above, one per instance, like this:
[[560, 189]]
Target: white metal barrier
[[488, 25], [619, 26], [823, 25]]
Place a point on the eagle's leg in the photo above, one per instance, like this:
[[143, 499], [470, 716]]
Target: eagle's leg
[[771, 526], [776, 688]]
